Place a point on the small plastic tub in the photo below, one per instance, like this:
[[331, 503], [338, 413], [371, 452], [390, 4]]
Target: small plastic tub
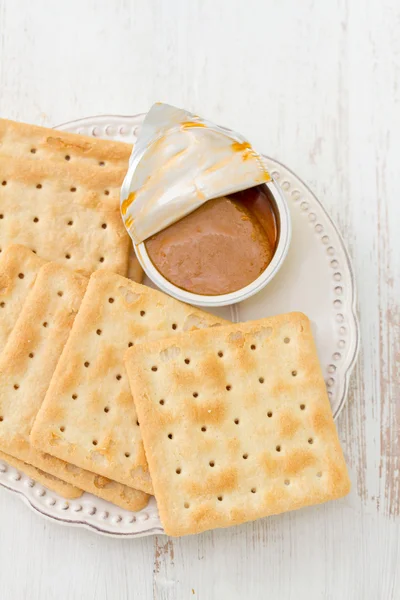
[[283, 241]]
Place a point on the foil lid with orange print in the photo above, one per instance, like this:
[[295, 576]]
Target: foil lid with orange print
[[179, 162]]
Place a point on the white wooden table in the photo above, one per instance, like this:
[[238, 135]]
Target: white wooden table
[[316, 85]]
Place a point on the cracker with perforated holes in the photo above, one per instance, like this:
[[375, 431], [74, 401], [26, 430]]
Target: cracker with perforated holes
[[18, 269], [52, 483], [31, 352], [32, 142], [101, 431], [236, 423], [59, 196], [18, 266]]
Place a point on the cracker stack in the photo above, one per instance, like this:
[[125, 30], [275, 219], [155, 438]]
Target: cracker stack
[[40, 319], [225, 424], [29, 359], [18, 270], [88, 417], [236, 423]]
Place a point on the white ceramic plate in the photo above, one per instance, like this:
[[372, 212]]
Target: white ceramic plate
[[316, 279]]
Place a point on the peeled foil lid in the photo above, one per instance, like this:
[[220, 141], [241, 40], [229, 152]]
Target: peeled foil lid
[[179, 162]]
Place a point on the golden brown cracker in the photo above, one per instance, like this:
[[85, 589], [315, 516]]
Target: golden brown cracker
[[236, 423], [101, 432], [32, 142], [65, 210], [32, 350]]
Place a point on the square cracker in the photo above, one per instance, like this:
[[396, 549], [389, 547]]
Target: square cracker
[[15, 261], [101, 429], [65, 210], [52, 483], [236, 423]]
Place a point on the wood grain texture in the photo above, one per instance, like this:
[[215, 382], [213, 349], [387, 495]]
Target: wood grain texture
[[317, 86]]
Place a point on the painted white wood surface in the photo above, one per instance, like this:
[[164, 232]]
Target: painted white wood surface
[[316, 85]]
